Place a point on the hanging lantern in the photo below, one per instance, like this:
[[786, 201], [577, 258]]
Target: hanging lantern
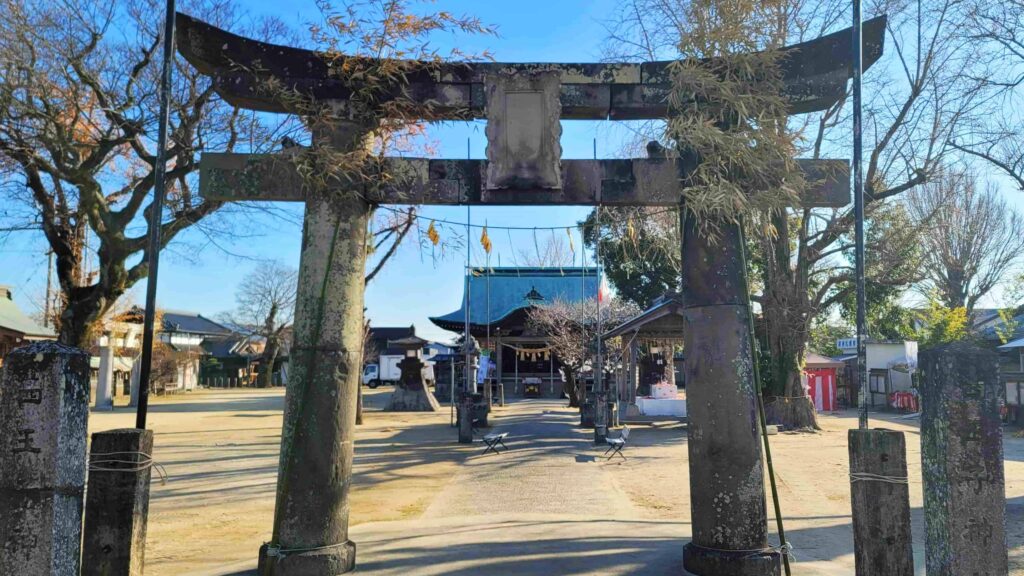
[[485, 241], [432, 234]]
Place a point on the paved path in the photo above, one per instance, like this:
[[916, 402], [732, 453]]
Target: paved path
[[546, 506], [551, 467]]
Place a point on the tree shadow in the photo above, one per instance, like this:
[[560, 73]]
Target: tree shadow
[[620, 547]]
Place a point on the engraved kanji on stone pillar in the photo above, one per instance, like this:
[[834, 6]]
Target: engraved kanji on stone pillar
[[524, 151], [962, 461], [44, 406]]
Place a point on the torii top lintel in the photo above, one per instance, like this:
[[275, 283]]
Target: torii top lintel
[[815, 74]]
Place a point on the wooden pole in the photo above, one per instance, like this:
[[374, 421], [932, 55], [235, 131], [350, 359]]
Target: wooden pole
[[116, 510], [880, 497]]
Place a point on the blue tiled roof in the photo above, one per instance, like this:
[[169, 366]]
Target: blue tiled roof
[[509, 288], [990, 333], [177, 321]]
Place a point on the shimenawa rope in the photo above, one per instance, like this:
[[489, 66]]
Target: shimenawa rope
[[869, 477], [785, 549], [273, 550], [120, 462]]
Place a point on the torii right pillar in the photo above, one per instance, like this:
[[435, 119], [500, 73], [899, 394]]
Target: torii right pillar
[[727, 498]]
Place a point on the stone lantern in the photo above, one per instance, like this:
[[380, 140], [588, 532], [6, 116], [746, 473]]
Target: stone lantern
[[411, 393], [472, 406], [471, 353]]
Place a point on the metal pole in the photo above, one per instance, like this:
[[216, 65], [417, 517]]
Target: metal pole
[[858, 207], [155, 218], [49, 283], [487, 288], [470, 381], [582, 381], [599, 373]]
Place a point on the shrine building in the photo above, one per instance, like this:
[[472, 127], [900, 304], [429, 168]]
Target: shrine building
[[499, 300]]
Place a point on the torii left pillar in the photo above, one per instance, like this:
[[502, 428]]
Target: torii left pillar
[[311, 513], [730, 524]]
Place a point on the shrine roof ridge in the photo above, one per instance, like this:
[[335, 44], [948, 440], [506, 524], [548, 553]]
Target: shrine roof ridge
[[519, 271], [815, 74]]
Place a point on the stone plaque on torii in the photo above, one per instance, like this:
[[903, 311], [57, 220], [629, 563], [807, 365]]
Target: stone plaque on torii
[[523, 105]]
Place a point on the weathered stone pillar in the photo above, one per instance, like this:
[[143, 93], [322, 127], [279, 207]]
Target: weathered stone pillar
[[117, 507], [466, 408], [634, 354], [730, 534], [587, 415], [499, 352], [105, 382], [311, 512], [669, 369], [133, 386], [880, 498], [962, 462], [601, 416], [44, 410]]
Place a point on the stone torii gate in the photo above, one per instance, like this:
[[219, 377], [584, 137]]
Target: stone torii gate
[[523, 104]]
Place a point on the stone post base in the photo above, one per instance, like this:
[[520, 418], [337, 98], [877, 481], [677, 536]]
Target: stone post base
[[710, 562], [465, 420], [412, 399], [587, 414], [481, 412], [117, 504], [327, 562]]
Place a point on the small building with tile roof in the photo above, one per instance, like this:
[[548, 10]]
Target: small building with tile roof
[[16, 328]]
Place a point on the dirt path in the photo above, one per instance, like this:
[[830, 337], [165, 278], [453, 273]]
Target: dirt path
[[422, 504], [220, 449]]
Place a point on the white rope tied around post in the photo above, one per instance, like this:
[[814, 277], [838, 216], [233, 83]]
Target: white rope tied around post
[[126, 462], [274, 550], [785, 549], [869, 477]]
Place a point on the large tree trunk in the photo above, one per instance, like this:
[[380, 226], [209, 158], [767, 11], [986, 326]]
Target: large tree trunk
[[572, 388], [83, 308], [359, 405], [792, 407], [85, 303], [787, 317], [267, 359]]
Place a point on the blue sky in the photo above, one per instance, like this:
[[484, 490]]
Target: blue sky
[[415, 285]]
